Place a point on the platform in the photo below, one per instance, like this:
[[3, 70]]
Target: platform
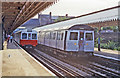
[[108, 52], [17, 62]]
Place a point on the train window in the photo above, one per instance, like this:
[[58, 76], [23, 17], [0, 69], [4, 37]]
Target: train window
[[58, 36], [50, 35], [29, 36], [89, 36], [24, 35], [47, 35], [62, 36], [54, 35], [73, 35], [34, 36], [42, 35]]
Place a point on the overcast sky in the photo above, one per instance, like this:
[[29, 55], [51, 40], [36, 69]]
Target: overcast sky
[[79, 7]]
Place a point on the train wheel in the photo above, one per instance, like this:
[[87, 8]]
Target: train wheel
[[26, 47], [91, 54], [31, 46]]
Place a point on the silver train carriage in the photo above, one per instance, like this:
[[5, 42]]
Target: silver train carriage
[[73, 38]]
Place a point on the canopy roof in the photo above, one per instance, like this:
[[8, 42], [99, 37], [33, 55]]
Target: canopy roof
[[15, 13], [94, 17]]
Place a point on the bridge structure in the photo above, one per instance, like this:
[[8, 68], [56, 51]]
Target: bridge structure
[[15, 12]]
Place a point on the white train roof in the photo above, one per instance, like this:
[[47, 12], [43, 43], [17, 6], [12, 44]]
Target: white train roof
[[29, 30], [92, 18], [26, 30]]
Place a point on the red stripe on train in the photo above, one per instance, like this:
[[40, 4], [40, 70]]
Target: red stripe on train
[[28, 42]]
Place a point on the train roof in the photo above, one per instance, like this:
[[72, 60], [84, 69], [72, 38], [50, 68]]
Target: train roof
[[81, 27], [26, 30], [63, 26]]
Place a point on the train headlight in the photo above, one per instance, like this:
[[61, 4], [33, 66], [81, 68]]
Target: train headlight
[[75, 44]]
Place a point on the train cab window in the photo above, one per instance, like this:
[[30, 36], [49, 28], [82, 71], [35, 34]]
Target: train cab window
[[73, 35], [34, 36], [24, 35], [89, 36], [29, 36], [81, 35]]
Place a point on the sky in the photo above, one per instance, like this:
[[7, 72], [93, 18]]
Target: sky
[[79, 7]]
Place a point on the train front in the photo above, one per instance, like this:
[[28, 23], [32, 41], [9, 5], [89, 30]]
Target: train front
[[28, 38]]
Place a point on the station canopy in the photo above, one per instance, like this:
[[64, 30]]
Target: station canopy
[[16, 12]]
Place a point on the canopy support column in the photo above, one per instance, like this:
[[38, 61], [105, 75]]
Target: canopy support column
[[99, 29], [1, 28]]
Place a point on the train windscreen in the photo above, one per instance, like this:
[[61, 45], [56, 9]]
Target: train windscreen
[[73, 35], [89, 36], [24, 35], [34, 36]]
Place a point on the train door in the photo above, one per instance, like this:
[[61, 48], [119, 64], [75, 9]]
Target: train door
[[81, 41], [72, 41], [89, 41]]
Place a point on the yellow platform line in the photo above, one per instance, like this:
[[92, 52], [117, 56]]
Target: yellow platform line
[[5, 45]]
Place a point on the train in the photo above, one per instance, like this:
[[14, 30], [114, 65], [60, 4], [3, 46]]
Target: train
[[69, 38], [26, 38]]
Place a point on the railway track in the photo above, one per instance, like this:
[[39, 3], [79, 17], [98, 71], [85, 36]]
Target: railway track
[[63, 69], [112, 72], [56, 66], [113, 64]]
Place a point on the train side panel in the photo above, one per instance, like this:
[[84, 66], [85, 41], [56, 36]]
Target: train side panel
[[60, 40], [17, 37], [28, 42]]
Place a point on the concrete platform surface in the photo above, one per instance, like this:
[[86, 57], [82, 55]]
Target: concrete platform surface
[[108, 52], [16, 62]]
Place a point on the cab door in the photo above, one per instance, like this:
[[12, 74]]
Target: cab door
[[81, 41], [72, 41], [89, 41]]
